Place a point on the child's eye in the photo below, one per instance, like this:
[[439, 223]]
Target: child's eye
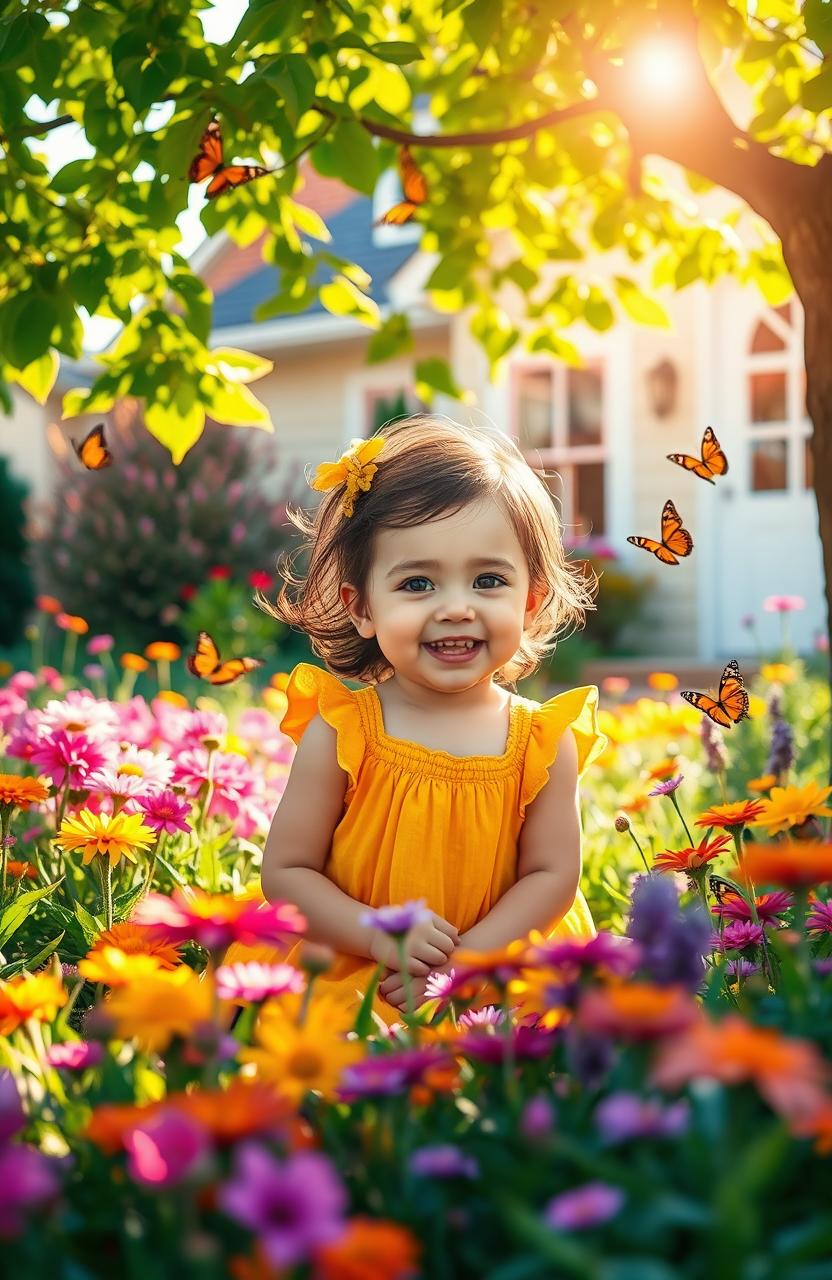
[[496, 578]]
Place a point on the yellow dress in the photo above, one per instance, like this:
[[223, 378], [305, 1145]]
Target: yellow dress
[[422, 823]]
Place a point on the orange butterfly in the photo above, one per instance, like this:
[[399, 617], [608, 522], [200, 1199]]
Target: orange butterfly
[[676, 541], [208, 162], [93, 450], [415, 188], [731, 703], [206, 663], [712, 463]]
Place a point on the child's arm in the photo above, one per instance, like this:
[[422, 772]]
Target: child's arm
[[299, 841], [549, 861]]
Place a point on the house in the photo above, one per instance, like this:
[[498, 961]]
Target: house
[[605, 429]]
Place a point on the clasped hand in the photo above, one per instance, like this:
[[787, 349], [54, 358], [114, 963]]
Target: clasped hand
[[428, 948]]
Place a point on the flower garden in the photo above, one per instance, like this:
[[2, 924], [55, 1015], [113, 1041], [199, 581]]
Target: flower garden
[[176, 1100]]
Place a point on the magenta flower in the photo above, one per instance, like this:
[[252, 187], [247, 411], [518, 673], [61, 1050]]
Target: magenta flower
[[740, 934], [165, 811], [622, 1116], [784, 604], [99, 644], [389, 1073], [490, 1016], [217, 921], [396, 920], [819, 919], [769, 906], [739, 967], [588, 1206], [166, 1149], [443, 1160], [12, 1115], [605, 950], [293, 1205], [538, 1117], [252, 982], [74, 1055], [29, 1181], [70, 757], [527, 1043], [665, 788]]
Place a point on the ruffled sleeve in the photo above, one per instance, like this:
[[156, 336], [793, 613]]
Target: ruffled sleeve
[[576, 709], [310, 691]]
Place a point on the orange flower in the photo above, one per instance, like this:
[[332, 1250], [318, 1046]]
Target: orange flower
[[71, 622], [19, 792], [790, 806], [175, 699], [662, 681], [664, 769], [138, 940], [163, 651], [817, 1125], [48, 604], [790, 1074], [23, 870], [692, 859], [30, 995], [636, 1010], [134, 662], [734, 814], [109, 1123], [764, 783], [794, 864], [115, 968], [635, 805], [615, 684], [369, 1249], [246, 1107], [166, 1003]]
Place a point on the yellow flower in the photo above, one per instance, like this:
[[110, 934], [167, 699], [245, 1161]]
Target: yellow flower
[[778, 672], [313, 1056], [116, 967], [764, 783], [275, 701], [164, 1004], [354, 469], [31, 995], [175, 699], [789, 806], [19, 792], [662, 681], [114, 835]]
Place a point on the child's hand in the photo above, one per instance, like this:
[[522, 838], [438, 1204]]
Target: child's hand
[[393, 990], [427, 946]]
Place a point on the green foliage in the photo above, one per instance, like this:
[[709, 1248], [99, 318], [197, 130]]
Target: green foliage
[[226, 609], [326, 81], [124, 572], [17, 593]]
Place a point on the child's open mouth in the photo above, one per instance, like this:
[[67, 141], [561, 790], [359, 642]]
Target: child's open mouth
[[455, 653]]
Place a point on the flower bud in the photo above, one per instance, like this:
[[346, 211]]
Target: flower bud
[[315, 957], [622, 823]]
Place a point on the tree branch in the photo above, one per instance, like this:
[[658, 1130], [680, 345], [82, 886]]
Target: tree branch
[[31, 127]]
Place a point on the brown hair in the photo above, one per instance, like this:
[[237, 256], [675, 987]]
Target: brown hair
[[429, 468]]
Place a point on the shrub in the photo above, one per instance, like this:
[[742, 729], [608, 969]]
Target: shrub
[[17, 593]]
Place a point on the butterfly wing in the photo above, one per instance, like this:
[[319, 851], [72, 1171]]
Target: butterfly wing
[[691, 464], [676, 539], [708, 705], [733, 697], [205, 659], [398, 215], [414, 183], [209, 157], [659, 550], [232, 670], [93, 451], [233, 175], [712, 456]]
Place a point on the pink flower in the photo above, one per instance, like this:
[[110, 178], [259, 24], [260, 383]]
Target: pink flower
[[99, 644], [740, 934], [52, 678], [586, 1206], [819, 919], [768, 906], [784, 604], [23, 682], [165, 811], [666, 788], [75, 1055], [165, 1149], [217, 921], [93, 671], [252, 981], [68, 757], [79, 712]]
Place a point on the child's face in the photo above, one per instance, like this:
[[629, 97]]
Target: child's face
[[489, 601]]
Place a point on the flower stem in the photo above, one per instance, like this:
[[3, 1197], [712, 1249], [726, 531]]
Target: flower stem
[[105, 874], [675, 804], [641, 851], [5, 821]]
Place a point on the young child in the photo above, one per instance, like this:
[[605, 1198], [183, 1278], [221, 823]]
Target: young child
[[436, 578]]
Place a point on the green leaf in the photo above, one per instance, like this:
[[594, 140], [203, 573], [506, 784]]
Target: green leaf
[[177, 430], [235, 365], [348, 154], [364, 1022], [236, 406], [816, 94], [341, 298], [73, 178], [14, 915], [435, 375], [399, 51], [393, 337], [89, 923], [637, 304], [817, 17], [29, 337], [546, 340], [38, 378], [309, 221]]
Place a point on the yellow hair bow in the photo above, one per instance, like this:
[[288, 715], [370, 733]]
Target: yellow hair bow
[[354, 468]]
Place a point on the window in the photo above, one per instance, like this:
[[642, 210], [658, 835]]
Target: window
[[778, 428], [558, 423], [383, 403]]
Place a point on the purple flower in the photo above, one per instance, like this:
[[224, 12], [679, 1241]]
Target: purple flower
[[165, 811], [819, 919], [12, 1115], [739, 967], [589, 1056], [397, 920], [293, 1205], [252, 981], [93, 671], [665, 788], [714, 745], [586, 1206], [740, 934], [443, 1160], [29, 1181], [604, 951], [390, 1073], [674, 940], [488, 1046], [165, 1149], [626, 1115], [74, 1055], [781, 752], [538, 1117]]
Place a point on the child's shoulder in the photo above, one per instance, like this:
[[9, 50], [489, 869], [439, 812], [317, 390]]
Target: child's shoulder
[[575, 709]]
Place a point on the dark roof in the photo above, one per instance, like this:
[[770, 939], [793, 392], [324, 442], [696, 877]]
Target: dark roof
[[352, 238]]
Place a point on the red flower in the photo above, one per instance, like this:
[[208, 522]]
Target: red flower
[[260, 580], [188, 591], [219, 573]]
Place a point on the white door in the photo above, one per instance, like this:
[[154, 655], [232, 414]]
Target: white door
[[763, 522]]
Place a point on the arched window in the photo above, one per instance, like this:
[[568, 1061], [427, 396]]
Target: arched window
[[779, 429]]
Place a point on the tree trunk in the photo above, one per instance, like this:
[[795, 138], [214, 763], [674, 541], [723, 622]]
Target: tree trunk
[[807, 248]]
